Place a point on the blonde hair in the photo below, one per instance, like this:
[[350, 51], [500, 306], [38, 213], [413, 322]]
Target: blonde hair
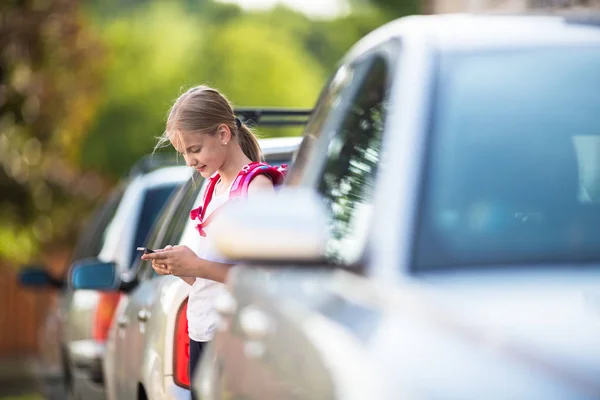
[[201, 109]]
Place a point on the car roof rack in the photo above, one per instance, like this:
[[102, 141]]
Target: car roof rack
[[273, 116], [248, 115]]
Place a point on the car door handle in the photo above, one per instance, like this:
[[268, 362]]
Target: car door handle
[[143, 315], [122, 321], [254, 323]]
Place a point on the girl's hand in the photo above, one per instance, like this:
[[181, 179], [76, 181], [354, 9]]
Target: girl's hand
[[174, 260], [160, 267]]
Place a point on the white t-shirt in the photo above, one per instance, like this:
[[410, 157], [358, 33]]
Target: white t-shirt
[[201, 314]]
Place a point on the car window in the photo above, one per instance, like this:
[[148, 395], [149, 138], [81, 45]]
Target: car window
[[155, 236], [514, 166], [154, 200], [329, 101], [352, 156], [95, 229], [174, 228], [169, 225]]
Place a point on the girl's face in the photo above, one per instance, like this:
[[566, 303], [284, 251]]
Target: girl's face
[[205, 152]]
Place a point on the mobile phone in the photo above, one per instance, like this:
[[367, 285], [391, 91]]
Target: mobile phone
[[145, 250]]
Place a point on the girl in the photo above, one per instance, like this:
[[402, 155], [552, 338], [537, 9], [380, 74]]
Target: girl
[[202, 127]]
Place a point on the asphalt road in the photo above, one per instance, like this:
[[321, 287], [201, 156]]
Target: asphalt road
[[53, 389], [17, 387], [28, 387], [24, 379]]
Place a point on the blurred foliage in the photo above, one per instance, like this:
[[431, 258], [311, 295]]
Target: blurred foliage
[[157, 49], [50, 65], [86, 87], [150, 56], [392, 8]]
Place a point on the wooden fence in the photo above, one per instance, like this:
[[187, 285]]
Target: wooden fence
[[23, 311]]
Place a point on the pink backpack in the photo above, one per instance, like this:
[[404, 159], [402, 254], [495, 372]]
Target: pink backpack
[[239, 188]]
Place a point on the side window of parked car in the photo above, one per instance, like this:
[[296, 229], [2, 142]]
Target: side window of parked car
[[94, 230], [170, 223], [352, 157], [154, 200], [182, 214], [156, 235], [330, 101]]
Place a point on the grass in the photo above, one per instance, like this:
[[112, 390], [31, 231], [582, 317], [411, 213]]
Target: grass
[[23, 397]]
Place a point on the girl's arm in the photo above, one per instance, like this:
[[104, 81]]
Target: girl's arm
[[181, 261], [184, 263]]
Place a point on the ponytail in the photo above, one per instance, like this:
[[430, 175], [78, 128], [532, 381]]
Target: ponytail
[[249, 143]]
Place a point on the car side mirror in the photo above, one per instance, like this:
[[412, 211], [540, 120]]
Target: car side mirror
[[289, 225], [93, 274], [34, 276]]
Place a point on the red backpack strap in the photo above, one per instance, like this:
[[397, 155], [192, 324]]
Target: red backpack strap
[[208, 193], [240, 185], [198, 213], [239, 188]]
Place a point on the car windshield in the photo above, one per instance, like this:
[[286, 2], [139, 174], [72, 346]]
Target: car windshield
[[513, 172]]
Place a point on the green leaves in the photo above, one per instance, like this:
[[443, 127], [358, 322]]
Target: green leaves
[[48, 94], [80, 102], [150, 57], [272, 58]]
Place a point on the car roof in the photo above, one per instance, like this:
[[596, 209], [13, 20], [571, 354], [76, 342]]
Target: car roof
[[165, 175], [280, 144], [157, 167], [153, 161], [275, 149], [484, 31]]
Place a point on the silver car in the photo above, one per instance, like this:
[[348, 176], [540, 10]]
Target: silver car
[[147, 351], [443, 238], [84, 317]]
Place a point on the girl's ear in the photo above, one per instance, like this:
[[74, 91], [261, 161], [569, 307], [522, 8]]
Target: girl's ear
[[224, 134]]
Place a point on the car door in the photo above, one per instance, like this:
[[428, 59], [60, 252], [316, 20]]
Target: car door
[[135, 316], [88, 244], [147, 301], [123, 347], [135, 313], [291, 336]]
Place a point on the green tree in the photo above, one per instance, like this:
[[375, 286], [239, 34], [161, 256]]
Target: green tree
[[261, 65], [392, 9], [49, 69], [157, 51], [152, 54]]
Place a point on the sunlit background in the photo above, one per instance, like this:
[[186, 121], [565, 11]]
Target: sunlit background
[[84, 91]]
